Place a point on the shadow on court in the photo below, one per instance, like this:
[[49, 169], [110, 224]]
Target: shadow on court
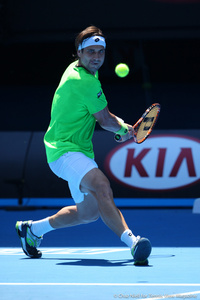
[[100, 262], [95, 262]]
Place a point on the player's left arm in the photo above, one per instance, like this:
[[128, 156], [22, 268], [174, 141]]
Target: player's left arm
[[110, 122]]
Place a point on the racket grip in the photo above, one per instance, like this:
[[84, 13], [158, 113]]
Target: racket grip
[[118, 138]]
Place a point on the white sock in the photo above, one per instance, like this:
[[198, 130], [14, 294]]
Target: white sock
[[41, 227], [128, 238]]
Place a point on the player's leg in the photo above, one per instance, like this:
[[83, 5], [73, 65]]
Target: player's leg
[[70, 167], [31, 233], [81, 173], [81, 213], [96, 183]]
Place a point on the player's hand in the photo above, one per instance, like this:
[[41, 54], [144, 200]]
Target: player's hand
[[131, 131], [127, 136]]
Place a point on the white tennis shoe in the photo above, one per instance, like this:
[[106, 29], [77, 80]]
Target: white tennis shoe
[[141, 251], [29, 241]]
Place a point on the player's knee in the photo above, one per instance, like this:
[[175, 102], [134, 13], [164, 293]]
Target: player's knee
[[94, 217], [90, 216]]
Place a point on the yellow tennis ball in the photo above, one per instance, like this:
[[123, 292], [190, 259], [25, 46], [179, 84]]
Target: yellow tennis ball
[[122, 70]]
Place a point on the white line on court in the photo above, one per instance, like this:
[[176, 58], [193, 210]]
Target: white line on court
[[67, 251], [103, 284]]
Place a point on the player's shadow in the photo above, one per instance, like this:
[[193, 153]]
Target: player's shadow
[[93, 262], [102, 262], [97, 262]]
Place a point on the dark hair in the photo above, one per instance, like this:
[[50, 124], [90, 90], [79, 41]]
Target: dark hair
[[86, 33]]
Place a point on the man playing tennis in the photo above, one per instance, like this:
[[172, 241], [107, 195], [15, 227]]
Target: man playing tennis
[[78, 103]]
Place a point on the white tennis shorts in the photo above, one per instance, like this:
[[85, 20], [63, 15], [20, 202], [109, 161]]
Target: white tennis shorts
[[72, 167]]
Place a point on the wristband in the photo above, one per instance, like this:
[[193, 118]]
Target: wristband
[[123, 130]]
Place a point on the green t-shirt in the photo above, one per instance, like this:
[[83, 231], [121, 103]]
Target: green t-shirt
[[78, 96]]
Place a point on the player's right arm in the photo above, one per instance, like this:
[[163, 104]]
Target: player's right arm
[[110, 122]]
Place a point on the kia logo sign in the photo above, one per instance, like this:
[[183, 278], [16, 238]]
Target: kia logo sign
[[162, 162]]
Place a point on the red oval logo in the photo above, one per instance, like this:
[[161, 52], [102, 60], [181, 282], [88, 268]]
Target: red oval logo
[[162, 162]]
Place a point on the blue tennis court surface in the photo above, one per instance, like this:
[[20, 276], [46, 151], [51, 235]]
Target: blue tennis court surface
[[99, 273], [90, 262]]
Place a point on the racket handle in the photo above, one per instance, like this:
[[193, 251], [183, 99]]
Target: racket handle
[[118, 138]]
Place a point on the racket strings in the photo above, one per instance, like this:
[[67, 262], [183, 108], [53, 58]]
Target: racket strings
[[144, 128]]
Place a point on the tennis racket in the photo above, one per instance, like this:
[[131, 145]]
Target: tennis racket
[[144, 126]]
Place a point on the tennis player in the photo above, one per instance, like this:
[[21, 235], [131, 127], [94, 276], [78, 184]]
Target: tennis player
[[78, 103]]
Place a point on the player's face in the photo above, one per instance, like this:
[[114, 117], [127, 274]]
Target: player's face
[[92, 58]]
